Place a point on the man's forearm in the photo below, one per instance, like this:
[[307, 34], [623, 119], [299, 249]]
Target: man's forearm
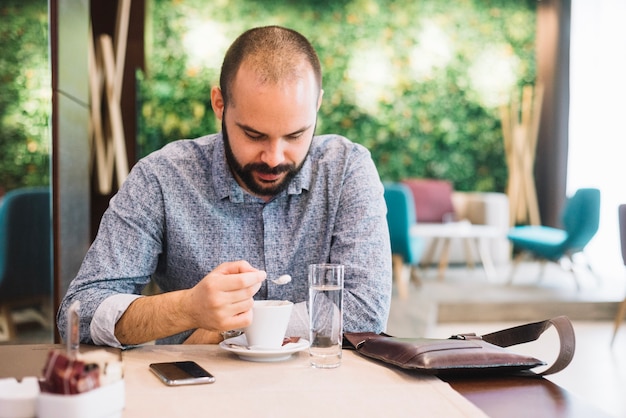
[[153, 317]]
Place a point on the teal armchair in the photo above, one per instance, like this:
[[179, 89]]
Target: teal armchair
[[580, 220], [25, 254], [406, 248]]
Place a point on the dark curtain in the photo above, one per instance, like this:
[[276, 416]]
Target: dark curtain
[[553, 50]]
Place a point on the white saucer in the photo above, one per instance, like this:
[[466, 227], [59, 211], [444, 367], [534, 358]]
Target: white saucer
[[239, 346]]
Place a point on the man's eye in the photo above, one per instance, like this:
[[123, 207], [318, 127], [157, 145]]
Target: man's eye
[[254, 136], [294, 137]]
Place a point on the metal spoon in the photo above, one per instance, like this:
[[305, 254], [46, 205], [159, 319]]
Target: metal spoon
[[284, 279]]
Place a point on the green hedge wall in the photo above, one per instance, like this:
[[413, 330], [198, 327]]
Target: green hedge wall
[[25, 94], [418, 82]]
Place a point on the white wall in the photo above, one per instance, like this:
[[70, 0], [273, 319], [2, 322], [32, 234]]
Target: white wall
[[597, 131]]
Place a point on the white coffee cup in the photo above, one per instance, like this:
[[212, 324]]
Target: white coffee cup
[[270, 319]]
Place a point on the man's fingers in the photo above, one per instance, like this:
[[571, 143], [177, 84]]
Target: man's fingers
[[234, 267], [237, 275], [248, 282], [235, 315]]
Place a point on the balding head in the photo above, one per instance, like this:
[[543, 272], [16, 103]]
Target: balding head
[[274, 53]]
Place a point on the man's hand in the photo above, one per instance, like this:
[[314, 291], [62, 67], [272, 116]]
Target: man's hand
[[221, 301]]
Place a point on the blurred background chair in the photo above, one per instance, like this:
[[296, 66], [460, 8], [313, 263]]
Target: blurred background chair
[[460, 227], [432, 199], [580, 220], [406, 248], [622, 235], [25, 258]]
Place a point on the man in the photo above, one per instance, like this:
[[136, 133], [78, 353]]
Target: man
[[262, 198]]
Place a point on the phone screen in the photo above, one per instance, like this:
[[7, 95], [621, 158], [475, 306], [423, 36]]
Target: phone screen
[[181, 373]]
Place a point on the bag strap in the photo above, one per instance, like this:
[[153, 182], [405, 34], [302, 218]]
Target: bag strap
[[532, 331], [505, 338]]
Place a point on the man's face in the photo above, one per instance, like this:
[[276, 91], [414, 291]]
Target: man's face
[[267, 130]]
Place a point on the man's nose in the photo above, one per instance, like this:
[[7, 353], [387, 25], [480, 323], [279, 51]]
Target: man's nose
[[274, 153]]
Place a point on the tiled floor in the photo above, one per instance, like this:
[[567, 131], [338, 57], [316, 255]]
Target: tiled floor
[[597, 373]]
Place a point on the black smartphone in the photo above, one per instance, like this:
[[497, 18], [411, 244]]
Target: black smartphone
[[176, 373]]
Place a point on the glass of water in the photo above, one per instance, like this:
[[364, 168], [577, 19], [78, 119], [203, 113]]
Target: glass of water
[[325, 314]]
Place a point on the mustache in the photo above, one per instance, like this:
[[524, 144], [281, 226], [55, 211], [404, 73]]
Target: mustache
[[266, 169]]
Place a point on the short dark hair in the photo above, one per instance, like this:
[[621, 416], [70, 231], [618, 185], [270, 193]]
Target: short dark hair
[[274, 51]]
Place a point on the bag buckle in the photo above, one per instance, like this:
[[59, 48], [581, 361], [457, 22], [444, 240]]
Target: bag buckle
[[468, 336]]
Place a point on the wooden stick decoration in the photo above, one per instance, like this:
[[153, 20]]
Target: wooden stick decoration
[[520, 132], [106, 76]]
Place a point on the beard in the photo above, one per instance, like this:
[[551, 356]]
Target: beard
[[246, 172]]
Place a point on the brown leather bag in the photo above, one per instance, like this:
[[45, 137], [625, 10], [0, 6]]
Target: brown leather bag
[[467, 354]]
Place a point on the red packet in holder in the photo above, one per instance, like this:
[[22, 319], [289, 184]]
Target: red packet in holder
[[89, 385], [67, 376], [81, 385]]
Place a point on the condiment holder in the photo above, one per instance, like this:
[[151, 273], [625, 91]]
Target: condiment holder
[[103, 396]]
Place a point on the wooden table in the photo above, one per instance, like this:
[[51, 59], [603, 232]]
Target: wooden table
[[523, 397], [473, 235], [359, 387]]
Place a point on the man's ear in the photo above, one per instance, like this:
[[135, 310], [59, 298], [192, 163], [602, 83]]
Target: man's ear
[[217, 102], [319, 99]]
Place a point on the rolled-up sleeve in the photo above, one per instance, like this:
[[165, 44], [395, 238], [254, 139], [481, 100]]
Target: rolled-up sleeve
[[102, 325]]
